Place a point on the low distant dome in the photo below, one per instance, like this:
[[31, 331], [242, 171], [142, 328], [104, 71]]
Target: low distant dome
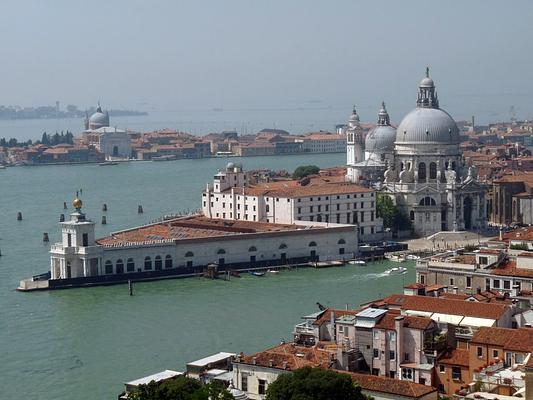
[[427, 125], [230, 165], [99, 119]]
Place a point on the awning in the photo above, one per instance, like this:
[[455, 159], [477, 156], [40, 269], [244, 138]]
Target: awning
[[418, 313], [448, 318], [472, 321]]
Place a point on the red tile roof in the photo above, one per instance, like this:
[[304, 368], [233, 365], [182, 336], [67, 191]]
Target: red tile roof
[[446, 306], [326, 317], [509, 269], [510, 339], [395, 387], [388, 322], [290, 356], [455, 357], [195, 227]]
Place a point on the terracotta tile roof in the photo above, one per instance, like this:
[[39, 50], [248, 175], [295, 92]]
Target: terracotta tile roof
[[454, 296], [510, 269], [388, 322], [391, 386], [290, 356], [455, 357], [318, 186], [510, 339], [195, 227], [446, 306]]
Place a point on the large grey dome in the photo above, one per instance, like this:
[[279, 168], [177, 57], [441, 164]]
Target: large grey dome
[[427, 125], [380, 139]]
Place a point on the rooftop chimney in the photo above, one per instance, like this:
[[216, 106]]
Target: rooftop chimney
[[455, 290], [254, 360], [270, 363], [501, 234]]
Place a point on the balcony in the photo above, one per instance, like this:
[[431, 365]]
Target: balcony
[[304, 334], [464, 332]]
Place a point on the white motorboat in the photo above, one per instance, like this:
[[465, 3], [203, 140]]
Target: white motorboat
[[357, 262], [397, 258], [273, 271], [412, 257], [396, 271]]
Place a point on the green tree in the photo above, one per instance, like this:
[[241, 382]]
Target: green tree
[[181, 388], [393, 217], [304, 170], [314, 384], [45, 139]]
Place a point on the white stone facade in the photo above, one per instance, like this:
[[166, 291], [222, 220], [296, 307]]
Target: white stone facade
[[229, 198]]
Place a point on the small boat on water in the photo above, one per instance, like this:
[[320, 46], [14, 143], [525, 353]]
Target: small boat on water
[[396, 271], [412, 257], [357, 262], [2, 166], [256, 273], [397, 258], [169, 157], [106, 163], [273, 271]]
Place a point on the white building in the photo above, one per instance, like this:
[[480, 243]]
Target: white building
[[426, 175], [317, 199], [187, 246], [113, 142], [323, 143]]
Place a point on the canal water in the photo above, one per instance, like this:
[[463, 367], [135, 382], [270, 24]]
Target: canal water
[[83, 343]]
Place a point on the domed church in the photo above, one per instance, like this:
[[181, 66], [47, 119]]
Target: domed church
[[424, 171]]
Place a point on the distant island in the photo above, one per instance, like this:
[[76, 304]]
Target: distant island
[[54, 112]]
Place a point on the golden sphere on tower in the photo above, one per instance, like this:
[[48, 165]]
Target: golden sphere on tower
[[77, 203]]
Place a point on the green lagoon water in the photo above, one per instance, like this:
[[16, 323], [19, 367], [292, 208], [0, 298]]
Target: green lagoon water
[[83, 343]]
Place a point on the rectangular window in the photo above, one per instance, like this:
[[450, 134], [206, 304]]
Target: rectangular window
[[319, 208], [85, 239], [69, 240], [223, 205], [468, 282], [495, 353], [338, 218], [376, 353], [479, 351], [327, 207], [392, 355], [392, 336], [392, 374], [496, 283], [362, 205], [442, 369], [261, 386], [311, 209], [456, 373], [406, 357], [338, 207], [299, 210], [376, 335], [372, 216], [507, 284], [451, 281], [362, 216]]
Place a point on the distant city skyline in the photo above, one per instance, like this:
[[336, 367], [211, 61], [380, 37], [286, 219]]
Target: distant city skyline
[[242, 55]]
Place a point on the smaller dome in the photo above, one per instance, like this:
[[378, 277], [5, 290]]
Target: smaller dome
[[77, 203], [427, 82], [380, 139], [230, 165]]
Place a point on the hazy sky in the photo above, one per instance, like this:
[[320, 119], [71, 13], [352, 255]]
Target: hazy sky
[[268, 54]]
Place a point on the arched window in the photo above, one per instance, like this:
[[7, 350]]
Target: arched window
[[282, 246], [252, 249], [312, 244], [189, 254], [158, 263], [412, 215], [168, 261], [108, 267], [130, 265], [119, 266], [427, 201], [267, 208], [221, 251], [147, 263], [341, 241], [433, 170], [422, 172]]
